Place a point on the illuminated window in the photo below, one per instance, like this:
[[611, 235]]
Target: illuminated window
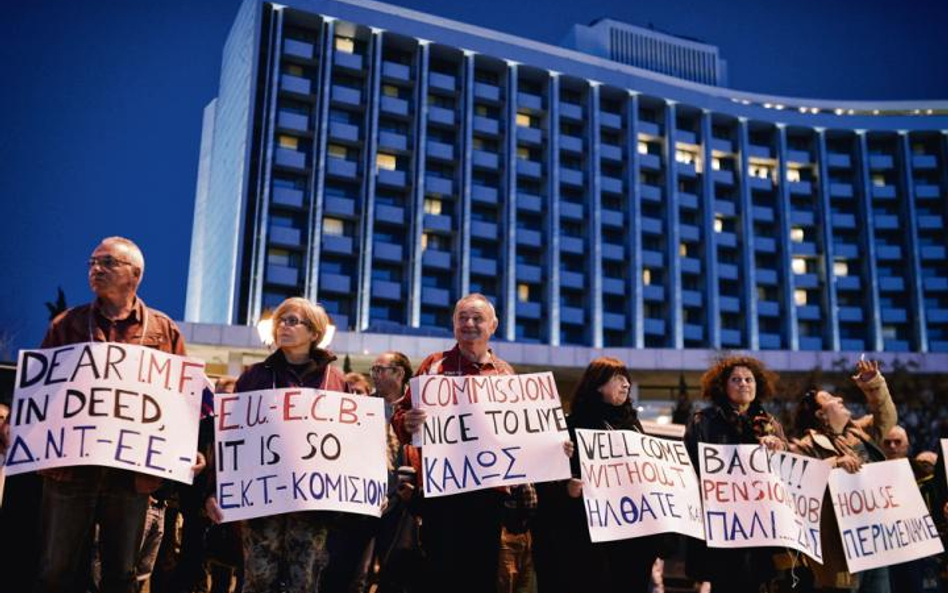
[[424, 241], [793, 175], [643, 147], [432, 206], [683, 156], [524, 120], [878, 180], [646, 276], [389, 90], [683, 249], [759, 171], [796, 235], [294, 69], [291, 142], [840, 268], [799, 297], [345, 44], [337, 151], [523, 153], [890, 332], [799, 265], [716, 163], [385, 161], [718, 224], [333, 226], [523, 293]]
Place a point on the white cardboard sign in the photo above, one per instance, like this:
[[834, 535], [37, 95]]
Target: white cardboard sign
[[298, 449], [882, 517], [636, 485], [488, 431], [109, 404], [754, 497]]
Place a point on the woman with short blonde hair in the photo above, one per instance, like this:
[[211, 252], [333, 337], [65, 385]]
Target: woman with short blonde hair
[[296, 540], [311, 314]]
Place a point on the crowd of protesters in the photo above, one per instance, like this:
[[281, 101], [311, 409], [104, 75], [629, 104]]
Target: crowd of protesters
[[91, 528]]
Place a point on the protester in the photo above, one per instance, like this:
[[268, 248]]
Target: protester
[[295, 542], [735, 385], [211, 555], [911, 577], [601, 402], [397, 548], [895, 444], [827, 431], [358, 384], [76, 498], [461, 532], [350, 541]]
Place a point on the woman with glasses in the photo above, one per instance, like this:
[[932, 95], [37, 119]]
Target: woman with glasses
[[827, 431], [735, 385], [295, 542]]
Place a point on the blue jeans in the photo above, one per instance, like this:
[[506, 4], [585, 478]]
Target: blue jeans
[[69, 512]]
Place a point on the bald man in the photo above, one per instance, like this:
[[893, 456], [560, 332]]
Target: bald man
[[895, 445]]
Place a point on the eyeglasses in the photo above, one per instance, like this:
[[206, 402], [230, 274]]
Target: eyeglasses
[[377, 369], [108, 262], [290, 321]]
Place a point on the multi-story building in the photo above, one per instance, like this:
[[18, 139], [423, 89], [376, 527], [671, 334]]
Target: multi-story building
[[681, 57], [385, 162]]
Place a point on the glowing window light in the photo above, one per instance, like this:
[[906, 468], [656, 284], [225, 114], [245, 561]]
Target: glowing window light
[[798, 265], [799, 297]]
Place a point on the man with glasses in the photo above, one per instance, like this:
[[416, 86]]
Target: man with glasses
[[76, 498]]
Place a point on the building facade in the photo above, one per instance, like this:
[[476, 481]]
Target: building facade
[[384, 162], [680, 57]]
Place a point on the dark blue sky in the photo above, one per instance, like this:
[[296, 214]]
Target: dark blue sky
[[100, 111]]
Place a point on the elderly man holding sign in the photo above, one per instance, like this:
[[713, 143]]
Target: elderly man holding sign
[[120, 401], [463, 508]]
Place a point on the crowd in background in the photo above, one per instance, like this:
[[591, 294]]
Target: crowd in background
[[100, 529]]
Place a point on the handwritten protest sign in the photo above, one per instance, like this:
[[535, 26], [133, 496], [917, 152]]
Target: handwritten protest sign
[[882, 517], [284, 450], [116, 405], [755, 497], [635, 485], [487, 431]]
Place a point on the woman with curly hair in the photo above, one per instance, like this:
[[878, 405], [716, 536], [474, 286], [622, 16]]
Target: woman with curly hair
[[827, 431], [735, 385]]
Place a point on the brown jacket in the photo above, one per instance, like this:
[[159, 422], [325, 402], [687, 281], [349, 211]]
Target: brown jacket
[[833, 573], [73, 327]]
